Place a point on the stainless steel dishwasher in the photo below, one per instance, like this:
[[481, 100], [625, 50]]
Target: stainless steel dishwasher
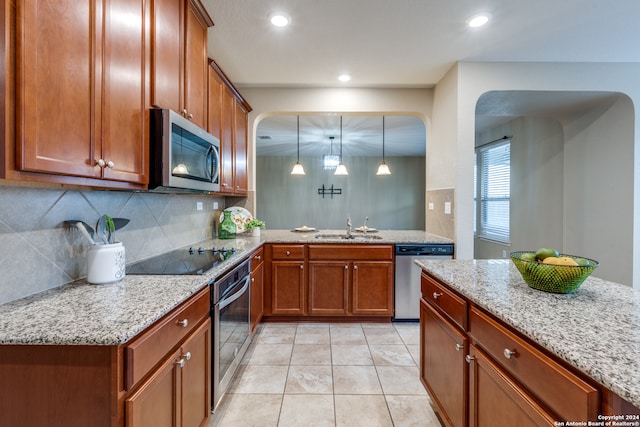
[[407, 280]]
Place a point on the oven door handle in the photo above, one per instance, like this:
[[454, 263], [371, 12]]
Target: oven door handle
[[230, 297]]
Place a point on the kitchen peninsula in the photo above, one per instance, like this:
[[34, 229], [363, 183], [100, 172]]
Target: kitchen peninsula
[[555, 358]]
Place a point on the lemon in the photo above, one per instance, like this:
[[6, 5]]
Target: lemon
[[552, 260], [566, 260]]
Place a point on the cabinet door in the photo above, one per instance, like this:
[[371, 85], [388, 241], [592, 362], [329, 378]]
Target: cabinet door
[[196, 64], [196, 377], [443, 368], [226, 141], [496, 400], [167, 63], [124, 130], [240, 150], [257, 295], [372, 289], [215, 90], [287, 287], [154, 403], [328, 287], [58, 73]]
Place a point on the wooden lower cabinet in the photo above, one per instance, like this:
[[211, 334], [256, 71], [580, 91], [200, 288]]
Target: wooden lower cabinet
[[256, 309], [287, 287], [372, 288], [329, 288], [443, 369], [498, 401], [177, 393]]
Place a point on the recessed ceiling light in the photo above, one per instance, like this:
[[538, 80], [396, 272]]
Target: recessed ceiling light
[[478, 20], [344, 77], [279, 19]]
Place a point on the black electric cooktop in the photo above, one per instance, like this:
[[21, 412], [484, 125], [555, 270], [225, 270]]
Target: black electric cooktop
[[181, 261]]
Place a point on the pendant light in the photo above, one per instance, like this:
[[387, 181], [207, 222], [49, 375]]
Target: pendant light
[[341, 169], [383, 169], [297, 168]]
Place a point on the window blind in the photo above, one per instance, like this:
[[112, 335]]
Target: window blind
[[494, 186]]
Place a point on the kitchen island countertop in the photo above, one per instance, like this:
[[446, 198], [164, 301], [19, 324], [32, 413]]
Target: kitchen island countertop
[[79, 313], [596, 329]]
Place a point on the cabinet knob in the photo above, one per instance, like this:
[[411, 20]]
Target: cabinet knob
[[224, 184], [459, 347], [180, 363], [355, 267], [510, 353], [288, 253], [187, 355], [346, 267], [253, 280], [184, 112], [190, 116], [436, 295], [301, 267], [184, 323], [469, 358], [258, 257], [101, 163], [110, 164]]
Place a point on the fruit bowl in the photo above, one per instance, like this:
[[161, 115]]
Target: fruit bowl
[[560, 279]]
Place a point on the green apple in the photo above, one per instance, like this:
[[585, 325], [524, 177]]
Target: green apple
[[528, 256], [543, 253], [583, 262]]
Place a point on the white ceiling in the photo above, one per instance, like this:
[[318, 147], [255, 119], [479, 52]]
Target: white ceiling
[[409, 43]]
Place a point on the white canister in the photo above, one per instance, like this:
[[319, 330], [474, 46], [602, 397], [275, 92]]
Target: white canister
[[105, 263]]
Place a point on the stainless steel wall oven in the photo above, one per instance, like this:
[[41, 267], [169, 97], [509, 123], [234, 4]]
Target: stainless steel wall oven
[[231, 326]]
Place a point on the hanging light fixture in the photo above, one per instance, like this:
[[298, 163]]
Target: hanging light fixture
[[383, 169], [297, 168], [341, 169], [330, 161]]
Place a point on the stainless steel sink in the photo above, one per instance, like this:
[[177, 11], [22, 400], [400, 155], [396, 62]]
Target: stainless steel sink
[[345, 237]]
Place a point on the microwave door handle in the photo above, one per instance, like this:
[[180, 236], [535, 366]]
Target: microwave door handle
[[228, 300], [215, 164], [210, 163]]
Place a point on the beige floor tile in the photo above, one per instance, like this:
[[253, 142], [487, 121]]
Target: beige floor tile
[[348, 354], [277, 333], [362, 411], [400, 380], [409, 332], [259, 379], [382, 336], [313, 336], [356, 380], [307, 411], [247, 410], [347, 336], [411, 411], [271, 354], [311, 355], [309, 380], [395, 355], [415, 353]]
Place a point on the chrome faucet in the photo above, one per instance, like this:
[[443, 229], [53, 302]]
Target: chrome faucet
[[364, 226], [349, 227]]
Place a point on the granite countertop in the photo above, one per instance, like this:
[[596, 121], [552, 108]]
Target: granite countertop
[[596, 329], [83, 314]]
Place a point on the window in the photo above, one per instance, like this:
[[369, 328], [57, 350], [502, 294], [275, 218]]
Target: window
[[493, 190]]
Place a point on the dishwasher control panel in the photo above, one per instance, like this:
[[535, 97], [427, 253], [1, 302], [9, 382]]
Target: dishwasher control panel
[[445, 249]]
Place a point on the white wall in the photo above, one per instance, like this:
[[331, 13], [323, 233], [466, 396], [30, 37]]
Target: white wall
[[475, 78]]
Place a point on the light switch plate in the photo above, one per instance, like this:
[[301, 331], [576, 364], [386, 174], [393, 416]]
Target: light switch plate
[[430, 206], [447, 207], [199, 206], [215, 206]]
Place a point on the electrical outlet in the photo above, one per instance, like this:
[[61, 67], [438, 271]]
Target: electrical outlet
[[215, 206], [447, 208], [504, 253], [199, 206], [430, 206]]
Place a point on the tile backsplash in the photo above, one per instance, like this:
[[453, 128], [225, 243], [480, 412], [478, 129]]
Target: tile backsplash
[[38, 252]]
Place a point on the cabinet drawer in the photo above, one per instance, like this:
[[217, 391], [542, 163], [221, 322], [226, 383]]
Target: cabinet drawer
[[451, 305], [257, 258], [350, 252], [152, 345], [287, 251], [564, 393]]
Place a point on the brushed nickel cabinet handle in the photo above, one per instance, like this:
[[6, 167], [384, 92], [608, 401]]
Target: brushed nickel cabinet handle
[[510, 353], [180, 363], [459, 347], [436, 295], [469, 358], [184, 323]]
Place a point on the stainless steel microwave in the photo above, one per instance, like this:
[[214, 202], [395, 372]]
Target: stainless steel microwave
[[183, 155]]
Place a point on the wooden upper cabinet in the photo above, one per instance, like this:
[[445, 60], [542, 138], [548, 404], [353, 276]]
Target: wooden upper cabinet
[[228, 120], [240, 151], [167, 63], [179, 61], [197, 22], [80, 89], [57, 88]]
